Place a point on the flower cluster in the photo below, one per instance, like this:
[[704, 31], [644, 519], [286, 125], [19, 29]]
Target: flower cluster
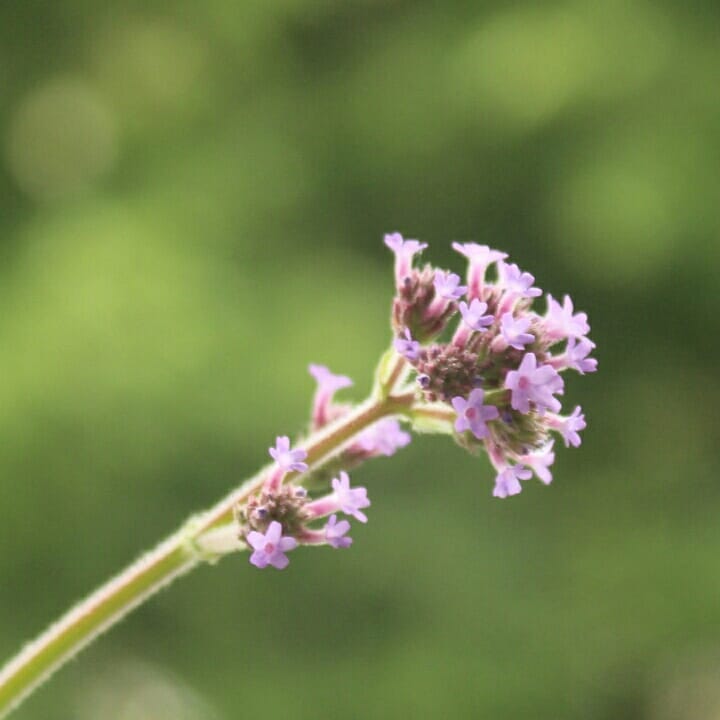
[[500, 371], [475, 358], [283, 515]]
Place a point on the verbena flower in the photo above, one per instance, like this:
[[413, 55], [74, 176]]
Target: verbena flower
[[532, 384], [562, 322], [569, 427], [407, 346], [350, 500], [540, 462], [473, 415], [404, 251], [447, 285], [513, 333], [480, 257], [287, 459], [494, 384], [576, 354], [327, 385], [386, 437], [475, 315], [336, 532], [270, 547], [507, 483]]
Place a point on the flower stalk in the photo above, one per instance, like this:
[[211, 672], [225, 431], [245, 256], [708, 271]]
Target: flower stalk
[[203, 538]]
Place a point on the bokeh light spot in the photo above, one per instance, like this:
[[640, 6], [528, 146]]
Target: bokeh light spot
[[61, 139]]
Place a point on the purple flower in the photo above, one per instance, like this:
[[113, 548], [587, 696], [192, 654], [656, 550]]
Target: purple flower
[[447, 285], [474, 316], [336, 532], [479, 254], [507, 482], [473, 415], [385, 437], [404, 251], [350, 500], [480, 257], [328, 381], [516, 282], [530, 383], [576, 355], [328, 385], [539, 462], [270, 548], [561, 322], [569, 427], [513, 331], [408, 347], [288, 460]]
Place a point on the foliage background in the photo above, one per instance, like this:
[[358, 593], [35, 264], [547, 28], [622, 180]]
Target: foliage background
[[192, 200]]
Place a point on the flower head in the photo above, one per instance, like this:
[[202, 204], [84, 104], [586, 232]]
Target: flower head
[[270, 547], [507, 482], [530, 383], [407, 347], [473, 415], [350, 500], [288, 460], [336, 532], [447, 285]]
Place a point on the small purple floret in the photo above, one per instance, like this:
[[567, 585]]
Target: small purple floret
[[539, 462], [571, 426], [473, 415], [479, 254], [474, 315], [530, 383], [576, 355], [516, 282], [288, 460], [270, 547], [447, 285], [561, 321], [404, 251], [407, 347], [406, 247], [350, 500], [327, 381], [385, 437], [336, 532], [507, 482], [514, 330]]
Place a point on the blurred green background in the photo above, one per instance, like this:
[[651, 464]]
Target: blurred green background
[[192, 202]]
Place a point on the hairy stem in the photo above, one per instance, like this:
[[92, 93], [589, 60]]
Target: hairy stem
[[176, 555]]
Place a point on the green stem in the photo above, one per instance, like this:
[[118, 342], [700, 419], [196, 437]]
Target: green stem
[[178, 554]]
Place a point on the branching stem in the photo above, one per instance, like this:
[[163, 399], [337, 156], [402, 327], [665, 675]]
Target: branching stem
[[173, 557]]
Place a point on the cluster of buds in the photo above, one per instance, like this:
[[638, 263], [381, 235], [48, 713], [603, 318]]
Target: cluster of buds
[[500, 370], [492, 382]]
